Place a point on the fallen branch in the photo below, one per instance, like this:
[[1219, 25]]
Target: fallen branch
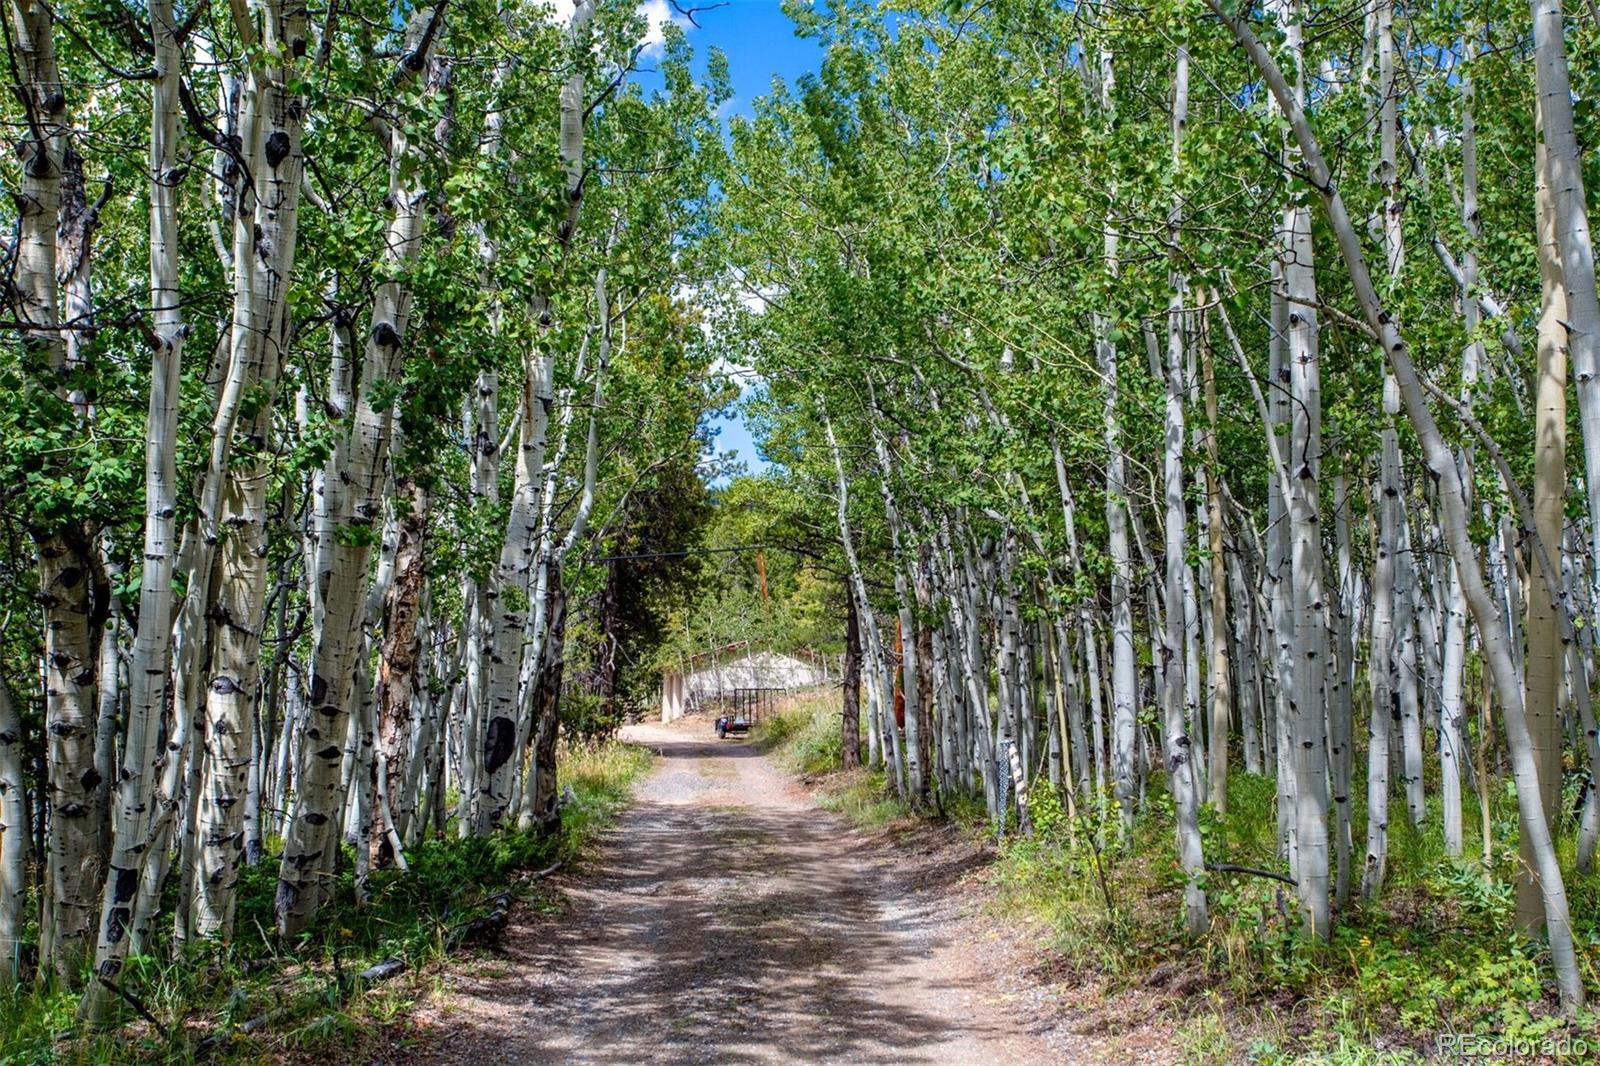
[[128, 998], [1230, 868], [383, 970], [487, 929]]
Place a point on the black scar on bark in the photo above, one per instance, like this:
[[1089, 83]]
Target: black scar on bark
[[497, 748], [116, 924], [277, 148], [385, 335]]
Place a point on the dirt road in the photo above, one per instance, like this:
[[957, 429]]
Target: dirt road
[[727, 919]]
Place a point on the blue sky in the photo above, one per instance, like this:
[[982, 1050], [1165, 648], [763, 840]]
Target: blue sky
[[760, 43]]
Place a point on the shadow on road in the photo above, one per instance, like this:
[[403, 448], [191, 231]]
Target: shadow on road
[[725, 920]]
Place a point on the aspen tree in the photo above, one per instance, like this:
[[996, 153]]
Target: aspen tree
[[1179, 746], [15, 832], [148, 672]]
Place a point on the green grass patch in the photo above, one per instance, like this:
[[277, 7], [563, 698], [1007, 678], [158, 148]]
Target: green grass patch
[[1435, 954], [803, 736], [308, 988], [802, 733]]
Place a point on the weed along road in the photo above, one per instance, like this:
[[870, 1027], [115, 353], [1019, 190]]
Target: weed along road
[[728, 919]]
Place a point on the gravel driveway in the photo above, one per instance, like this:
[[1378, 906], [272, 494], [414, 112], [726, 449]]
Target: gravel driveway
[[727, 919]]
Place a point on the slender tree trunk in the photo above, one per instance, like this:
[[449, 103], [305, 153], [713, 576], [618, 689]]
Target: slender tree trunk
[[1407, 697], [15, 829], [550, 563], [1545, 649], [1383, 664], [1452, 725], [1181, 763], [71, 647], [1569, 207], [1341, 681], [399, 669], [1308, 732], [1221, 682], [850, 725], [70, 637], [543, 784]]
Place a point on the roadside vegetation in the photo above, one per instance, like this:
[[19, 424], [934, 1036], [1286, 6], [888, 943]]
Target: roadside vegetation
[[352, 976], [1433, 957]]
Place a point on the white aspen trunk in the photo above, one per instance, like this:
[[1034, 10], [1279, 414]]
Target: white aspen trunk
[[1407, 695], [1582, 320], [536, 801], [1074, 688], [1278, 569], [1221, 680], [1124, 669], [1341, 696], [1574, 242], [72, 844], [1085, 629], [973, 742], [1180, 757], [1308, 732], [482, 426], [1545, 654], [1452, 723], [15, 831], [1244, 644], [411, 806], [1009, 669], [1383, 664], [915, 774], [1124, 676], [947, 708], [109, 689], [400, 665], [1180, 764], [477, 595], [1535, 825], [1057, 753], [272, 727], [344, 548], [39, 153], [70, 645], [494, 756], [1388, 139]]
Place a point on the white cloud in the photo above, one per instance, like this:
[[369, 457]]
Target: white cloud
[[657, 15]]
